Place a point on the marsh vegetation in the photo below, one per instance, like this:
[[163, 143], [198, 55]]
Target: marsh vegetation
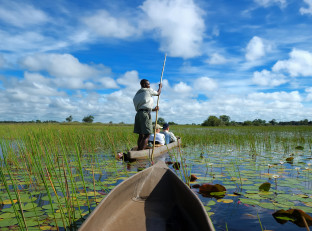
[[53, 175]]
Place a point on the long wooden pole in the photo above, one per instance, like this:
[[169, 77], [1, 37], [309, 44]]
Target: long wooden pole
[[162, 73]]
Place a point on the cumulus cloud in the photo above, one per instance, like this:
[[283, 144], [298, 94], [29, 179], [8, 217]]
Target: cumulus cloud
[[293, 96], [309, 93], [307, 10], [106, 25], [130, 79], [108, 83], [69, 72], [298, 64], [179, 23], [33, 87], [267, 3], [268, 79], [182, 89], [59, 65], [217, 59], [204, 84], [256, 49], [20, 14], [28, 41]]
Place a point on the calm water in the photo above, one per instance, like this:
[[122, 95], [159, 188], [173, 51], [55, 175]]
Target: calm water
[[241, 171]]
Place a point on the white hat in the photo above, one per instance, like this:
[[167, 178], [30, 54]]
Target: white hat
[[158, 126]]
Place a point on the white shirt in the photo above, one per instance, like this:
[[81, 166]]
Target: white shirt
[[159, 137], [143, 99], [170, 134]]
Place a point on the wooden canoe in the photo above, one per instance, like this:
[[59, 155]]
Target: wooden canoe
[[147, 153], [154, 199]]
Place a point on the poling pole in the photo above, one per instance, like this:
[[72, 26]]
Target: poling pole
[[162, 72]]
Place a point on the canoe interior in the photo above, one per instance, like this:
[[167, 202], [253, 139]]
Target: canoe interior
[[147, 153], [154, 199]]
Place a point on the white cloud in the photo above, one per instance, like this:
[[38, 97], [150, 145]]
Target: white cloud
[[204, 84], [293, 96], [32, 89], [179, 23], [182, 89], [28, 41], [217, 59], [256, 49], [108, 82], [130, 79], [307, 10], [69, 72], [20, 14], [106, 25], [59, 65], [309, 93], [268, 79], [267, 3], [299, 64], [216, 31]]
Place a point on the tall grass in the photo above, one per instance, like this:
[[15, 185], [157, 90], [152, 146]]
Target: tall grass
[[70, 164]]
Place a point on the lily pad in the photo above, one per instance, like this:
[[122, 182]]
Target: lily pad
[[265, 187], [297, 216], [299, 147]]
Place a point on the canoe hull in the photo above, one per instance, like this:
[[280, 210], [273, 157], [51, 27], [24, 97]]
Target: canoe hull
[[147, 153], [154, 199]]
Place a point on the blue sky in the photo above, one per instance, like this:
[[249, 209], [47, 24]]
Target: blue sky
[[248, 59]]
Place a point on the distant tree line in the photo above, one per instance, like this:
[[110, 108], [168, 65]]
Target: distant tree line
[[86, 119], [225, 120]]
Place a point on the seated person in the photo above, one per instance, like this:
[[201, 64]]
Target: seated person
[[160, 138], [169, 136]]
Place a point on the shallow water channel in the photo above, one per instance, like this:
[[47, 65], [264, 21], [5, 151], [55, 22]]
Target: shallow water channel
[[240, 170]]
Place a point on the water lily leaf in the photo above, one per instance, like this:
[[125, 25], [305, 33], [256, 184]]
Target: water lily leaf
[[45, 198], [308, 204], [46, 227], [226, 201], [29, 206], [98, 200], [253, 196], [265, 187], [290, 160], [8, 210], [304, 208], [250, 187], [249, 201], [193, 177], [267, 205], [8, 202], [33, 214], [7, 215], [211, 203], [176, 165], [284, 218], [297, 216], [8, 222], [231, 195], [299, 147], [90, 193], [206, 189], [48, 206]]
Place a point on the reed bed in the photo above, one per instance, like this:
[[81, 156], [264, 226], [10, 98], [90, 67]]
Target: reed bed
[[53, 175]]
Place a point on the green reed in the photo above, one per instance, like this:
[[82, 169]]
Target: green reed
[[65, 161]]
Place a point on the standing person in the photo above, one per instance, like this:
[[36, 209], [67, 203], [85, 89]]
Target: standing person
[[169, 136], [143, 103]]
